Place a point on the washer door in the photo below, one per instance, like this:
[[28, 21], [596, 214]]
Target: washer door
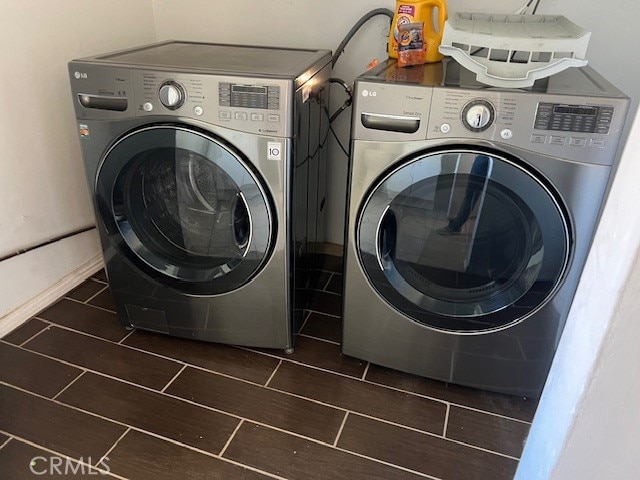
[[463, 241], [185, 208]]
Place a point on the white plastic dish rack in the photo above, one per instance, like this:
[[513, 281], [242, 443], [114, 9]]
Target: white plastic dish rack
[[514, 51]]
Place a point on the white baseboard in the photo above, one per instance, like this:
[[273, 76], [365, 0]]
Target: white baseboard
[[17, 317]]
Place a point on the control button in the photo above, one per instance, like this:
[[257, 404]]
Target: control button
[[506, 134], [241, 116], [198, 110], [554, 140], [147, 107], [577, 141], [598, 142], [445, 128], [225, 114], [272, 117], [171, 95], [538, 138], [257, 117]]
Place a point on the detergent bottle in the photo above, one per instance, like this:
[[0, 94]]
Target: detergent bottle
[[415, 11]]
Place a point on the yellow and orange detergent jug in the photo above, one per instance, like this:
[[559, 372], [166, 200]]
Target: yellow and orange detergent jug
[[416, 11]]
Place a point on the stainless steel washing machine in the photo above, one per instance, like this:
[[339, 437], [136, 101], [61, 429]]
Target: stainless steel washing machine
[[206, 166], [470, 216]]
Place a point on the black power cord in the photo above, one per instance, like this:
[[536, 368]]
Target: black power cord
[[535, 9], [347, 102], [348, 90]]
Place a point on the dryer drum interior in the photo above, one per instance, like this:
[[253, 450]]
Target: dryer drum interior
[[463, 240]]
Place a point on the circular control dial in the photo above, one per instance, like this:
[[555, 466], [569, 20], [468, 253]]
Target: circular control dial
[[478, 115], [171, 95]]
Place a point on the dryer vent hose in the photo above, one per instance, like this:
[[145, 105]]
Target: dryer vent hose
[[356, 27]]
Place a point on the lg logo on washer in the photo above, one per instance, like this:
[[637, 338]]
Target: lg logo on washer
[[80, 75], [368, 93]]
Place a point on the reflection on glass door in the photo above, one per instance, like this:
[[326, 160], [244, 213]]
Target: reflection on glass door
[[463, 240], [186, 208]]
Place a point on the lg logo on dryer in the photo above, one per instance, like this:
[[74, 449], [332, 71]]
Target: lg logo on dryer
[[80, 75], [369, 93]]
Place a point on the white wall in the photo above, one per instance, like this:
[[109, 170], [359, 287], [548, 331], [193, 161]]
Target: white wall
[[35, 280], [323, 25], [588, 421], [43, 193], [615, 38]]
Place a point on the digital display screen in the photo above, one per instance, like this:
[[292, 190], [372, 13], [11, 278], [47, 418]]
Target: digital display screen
[[567, 109], [249, 89]]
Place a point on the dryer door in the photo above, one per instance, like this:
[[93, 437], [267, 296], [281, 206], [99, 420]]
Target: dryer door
[[463, 241], [185, 208]]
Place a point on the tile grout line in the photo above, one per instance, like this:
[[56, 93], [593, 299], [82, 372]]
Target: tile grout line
[[446, 421], [304, 323], [383, 462], [106, 455], [366, 370], [86, 302], [319, 339], [524, 355], [6, 441], [329, 292], [89, 305], [133, 330], [273, 374], [344, 421], [223, 412], [314, 367], [388, 387], [58, 454], [34, 336], [324, 289], [156, 435], [230, 439], [325, 313], [184, 367], [68, 385], [250, 421]]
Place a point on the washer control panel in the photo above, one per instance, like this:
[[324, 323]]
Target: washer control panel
[[246, 104], [264, 97]]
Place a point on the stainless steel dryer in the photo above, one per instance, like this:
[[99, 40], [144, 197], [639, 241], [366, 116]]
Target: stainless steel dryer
[[470, 216], [206, 167]]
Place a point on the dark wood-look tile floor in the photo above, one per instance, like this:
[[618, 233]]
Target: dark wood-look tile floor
[[76, 385]]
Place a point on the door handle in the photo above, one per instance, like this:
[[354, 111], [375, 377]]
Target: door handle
[[391, 123]]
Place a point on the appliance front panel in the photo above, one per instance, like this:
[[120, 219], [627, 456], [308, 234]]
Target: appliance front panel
[[514, 360]]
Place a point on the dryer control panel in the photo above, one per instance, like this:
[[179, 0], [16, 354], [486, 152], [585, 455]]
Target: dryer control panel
[[572, 128], [574, 118]]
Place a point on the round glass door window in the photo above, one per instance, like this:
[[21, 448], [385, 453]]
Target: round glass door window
[[463, 241], [185, 208]]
